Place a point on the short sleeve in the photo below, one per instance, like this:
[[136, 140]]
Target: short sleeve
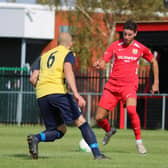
[[108, 54], [147, 54], [36, 64], [70, 58]]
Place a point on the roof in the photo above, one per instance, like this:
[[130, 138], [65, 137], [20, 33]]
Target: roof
[[7, 5], [159, 25]]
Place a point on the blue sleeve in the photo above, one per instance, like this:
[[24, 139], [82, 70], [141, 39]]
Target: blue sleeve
[[70, 58], [36, 64]]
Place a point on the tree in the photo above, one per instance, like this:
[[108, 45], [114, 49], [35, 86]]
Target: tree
[[93, 22]]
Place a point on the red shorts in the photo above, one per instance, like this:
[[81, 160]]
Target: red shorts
[[113, 94]]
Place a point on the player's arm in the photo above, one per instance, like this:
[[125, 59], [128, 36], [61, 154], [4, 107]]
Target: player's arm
[[70, 78], [155, 86], [149, 57], [34, 77], [108, 54], [36, 70]]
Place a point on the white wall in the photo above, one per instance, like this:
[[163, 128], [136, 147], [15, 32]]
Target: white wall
[[26, 21]]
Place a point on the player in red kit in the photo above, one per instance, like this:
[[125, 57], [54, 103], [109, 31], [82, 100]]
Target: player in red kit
[[123, 81]]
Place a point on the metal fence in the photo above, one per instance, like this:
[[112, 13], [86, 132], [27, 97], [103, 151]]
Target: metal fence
[[18, 103], [153, 111], [17, 98]]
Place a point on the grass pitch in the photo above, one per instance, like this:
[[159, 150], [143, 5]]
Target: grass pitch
[[64, 153]]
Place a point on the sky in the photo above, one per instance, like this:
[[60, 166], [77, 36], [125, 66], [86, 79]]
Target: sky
[[21, 1], [70, 2]]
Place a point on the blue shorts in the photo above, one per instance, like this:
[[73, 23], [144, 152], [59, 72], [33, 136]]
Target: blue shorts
[[57, 109]]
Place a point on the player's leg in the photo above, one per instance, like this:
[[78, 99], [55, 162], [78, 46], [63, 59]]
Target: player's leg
[[135, 122], [53, 119], [72, 113], [89, 137], [101, 118], [45, 136], [55, 127], [102, 121], [134, 118], [107, 103], [50, 135]]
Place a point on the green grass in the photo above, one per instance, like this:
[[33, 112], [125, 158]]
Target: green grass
[[65, 154]]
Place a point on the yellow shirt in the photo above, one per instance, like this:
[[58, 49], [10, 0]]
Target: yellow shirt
[[51, 77]]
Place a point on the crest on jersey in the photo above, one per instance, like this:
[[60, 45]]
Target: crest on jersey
[[134, 51]]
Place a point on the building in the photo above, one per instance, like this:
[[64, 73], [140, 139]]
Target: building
[[25, 30]]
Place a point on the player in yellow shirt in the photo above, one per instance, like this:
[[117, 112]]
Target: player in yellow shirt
[[57, 106]]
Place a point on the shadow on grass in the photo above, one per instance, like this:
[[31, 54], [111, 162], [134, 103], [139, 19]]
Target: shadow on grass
[[122, 151], [26, 156]]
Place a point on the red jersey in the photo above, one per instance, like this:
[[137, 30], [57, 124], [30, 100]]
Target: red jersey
[[125, 63]]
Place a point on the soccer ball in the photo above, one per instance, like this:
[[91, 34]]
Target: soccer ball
[[83, 146]]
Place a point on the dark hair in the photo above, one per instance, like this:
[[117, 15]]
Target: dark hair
[[131, 25]]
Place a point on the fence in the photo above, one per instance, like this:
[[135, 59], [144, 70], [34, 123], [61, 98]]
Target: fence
[[153, 111], [18, 104], [17, 98]]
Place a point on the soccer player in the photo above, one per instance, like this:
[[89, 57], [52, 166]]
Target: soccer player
[[123, 81], [57, 106]]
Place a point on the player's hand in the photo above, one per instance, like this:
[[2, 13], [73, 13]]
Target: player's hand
[[99, 64], [155, 89], [81, 101]]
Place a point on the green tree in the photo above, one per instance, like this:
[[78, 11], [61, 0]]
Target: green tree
[[93, 22]]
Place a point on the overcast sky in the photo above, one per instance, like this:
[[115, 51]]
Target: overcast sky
[[21, 1], [70, 2]]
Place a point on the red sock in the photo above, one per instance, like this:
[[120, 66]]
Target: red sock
[[135, 121], [104, 124]]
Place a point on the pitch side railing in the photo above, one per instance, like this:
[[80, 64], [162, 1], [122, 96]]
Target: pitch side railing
[[155, 109], [18, 103], [153, 106]]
